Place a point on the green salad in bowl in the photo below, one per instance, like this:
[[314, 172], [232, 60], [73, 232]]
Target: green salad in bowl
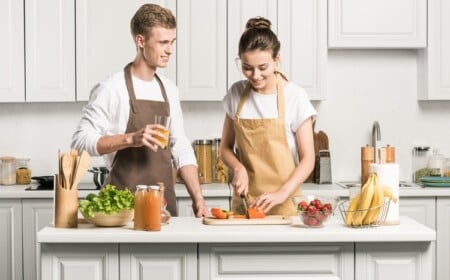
[[110, 207]]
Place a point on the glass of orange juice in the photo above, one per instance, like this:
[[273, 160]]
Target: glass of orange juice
[[164, 121]]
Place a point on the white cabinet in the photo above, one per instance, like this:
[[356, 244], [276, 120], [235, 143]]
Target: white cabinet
[[158, 261], [85, 261], [434, 62], [11, 239], [442, 238], [302, 30], [12, 68], [284, 261], [382, 261], [201, 49], [104, 44], [50, 50], [37, 214], [421, 209], [377, 23]]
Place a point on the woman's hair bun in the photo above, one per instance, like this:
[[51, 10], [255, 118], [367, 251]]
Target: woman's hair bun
[[258, 23]]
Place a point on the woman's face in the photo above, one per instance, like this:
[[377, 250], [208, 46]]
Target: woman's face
[[259, 67]]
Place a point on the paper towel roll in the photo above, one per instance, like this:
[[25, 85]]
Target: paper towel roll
[[388, 175]]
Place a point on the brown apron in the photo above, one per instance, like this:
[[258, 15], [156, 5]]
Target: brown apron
[[264, 151], [142, 166]]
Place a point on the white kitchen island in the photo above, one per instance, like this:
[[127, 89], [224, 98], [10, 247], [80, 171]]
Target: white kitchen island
[[187, 249]]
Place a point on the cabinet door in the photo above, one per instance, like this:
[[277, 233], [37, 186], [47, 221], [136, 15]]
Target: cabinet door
[[80, 261], [442, 238], [434, 61], [239, 12], [50, 50], [11, 239], [158, 261], [393, 261], [104, 41], [202, 49], [12, 70], [302, 32], [273, 261], [420, 209], [37, 213], [377, 24], [184, 205]]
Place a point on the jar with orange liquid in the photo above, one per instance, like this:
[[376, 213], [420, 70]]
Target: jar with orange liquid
[[152, 209], [139, 207]]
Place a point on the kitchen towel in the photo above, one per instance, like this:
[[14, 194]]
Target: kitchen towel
[[388, 175]]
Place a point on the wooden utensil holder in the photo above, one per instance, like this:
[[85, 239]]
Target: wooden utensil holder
[[66, 207]]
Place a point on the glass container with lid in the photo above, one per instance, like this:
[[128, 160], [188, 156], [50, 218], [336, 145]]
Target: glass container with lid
[[23, 172], [203, 153], [420, 162], [436, 163], [8, 171]]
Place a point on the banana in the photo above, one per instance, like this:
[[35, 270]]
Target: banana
[[351, 208], [364, 202], [376, 204], [388, 193]]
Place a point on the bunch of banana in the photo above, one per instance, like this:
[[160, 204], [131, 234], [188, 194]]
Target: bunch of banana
[[365, 207]]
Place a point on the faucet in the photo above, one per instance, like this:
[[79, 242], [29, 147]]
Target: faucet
[[376, 135]]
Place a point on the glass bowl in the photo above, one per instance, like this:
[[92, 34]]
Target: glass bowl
[[313, 210]]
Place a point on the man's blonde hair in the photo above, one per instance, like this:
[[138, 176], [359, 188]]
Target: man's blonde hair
[[149, 16]]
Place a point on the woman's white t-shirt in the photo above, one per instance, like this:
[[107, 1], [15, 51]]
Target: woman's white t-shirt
[[298, 108]]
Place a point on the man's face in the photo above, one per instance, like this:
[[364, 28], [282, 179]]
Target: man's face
[[157, 49]]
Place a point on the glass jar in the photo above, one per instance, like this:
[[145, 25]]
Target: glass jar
[[420, 162], [203, 153], [220, 170], [447, 167], [8, 171], [165, 214], [23, 172], [152, 209], [436, 163], [139, 207]]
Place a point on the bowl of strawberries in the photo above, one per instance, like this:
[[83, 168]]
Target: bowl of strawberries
[[314, 210]]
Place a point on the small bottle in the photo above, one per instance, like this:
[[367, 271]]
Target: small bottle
[[152, 209], [165, 214], [23, 172], [367, 157], [139, 207]]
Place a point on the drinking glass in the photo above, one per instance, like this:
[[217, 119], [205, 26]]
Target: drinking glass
[[164, 121]]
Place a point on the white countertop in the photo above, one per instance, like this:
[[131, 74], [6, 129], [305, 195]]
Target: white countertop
[[222, 190], [192, 230]]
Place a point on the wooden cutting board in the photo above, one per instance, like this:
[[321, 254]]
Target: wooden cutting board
[[268, 220]]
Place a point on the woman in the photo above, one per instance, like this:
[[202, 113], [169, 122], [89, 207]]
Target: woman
[[267, 127]]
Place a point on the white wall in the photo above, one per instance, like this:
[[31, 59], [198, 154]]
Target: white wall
[[363, 86]]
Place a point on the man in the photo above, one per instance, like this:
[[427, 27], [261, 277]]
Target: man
[[118, 121]]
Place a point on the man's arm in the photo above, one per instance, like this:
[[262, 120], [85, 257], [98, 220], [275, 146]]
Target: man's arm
[[189, 174]]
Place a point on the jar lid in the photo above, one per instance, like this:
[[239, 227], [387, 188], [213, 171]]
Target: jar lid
[[422, 148], [141, 187], [203, 142], [7, 159], [155, 188]]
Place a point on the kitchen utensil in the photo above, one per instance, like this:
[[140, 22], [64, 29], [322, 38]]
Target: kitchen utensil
[[81, 168], [67, 170], [268, 220], [320, 143], [99, 175], [244, 201]]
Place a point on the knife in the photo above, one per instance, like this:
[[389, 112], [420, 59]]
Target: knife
[[244, 201]]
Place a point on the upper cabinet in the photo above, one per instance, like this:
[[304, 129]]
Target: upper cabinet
[[434, 62], [12, 68], [104, 44], [377, 24], [50, 50], [201, 49]]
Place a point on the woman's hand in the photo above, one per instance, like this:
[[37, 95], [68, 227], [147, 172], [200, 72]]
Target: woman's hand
[[240, 180], [267, 201], [147, 137]]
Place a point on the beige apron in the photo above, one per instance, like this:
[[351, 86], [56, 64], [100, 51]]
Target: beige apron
[[142, 166], [264, 151]]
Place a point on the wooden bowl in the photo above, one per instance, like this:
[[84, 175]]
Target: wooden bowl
[[112, 220]]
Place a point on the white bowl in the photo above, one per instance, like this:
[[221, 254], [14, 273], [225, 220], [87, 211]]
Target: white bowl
[[112, 220]]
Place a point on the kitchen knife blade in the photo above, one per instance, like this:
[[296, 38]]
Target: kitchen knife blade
[[244, 201]]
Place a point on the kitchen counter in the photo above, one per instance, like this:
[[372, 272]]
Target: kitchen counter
[[191, 250], [192, 230]]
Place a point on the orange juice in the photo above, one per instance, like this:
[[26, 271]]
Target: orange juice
[[153, 209], [163, 141], [139, 207]]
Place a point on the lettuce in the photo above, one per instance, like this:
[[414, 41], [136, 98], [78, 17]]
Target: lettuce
[[108, 201]]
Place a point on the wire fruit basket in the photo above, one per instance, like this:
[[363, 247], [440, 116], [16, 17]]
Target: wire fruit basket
[[357, 218]]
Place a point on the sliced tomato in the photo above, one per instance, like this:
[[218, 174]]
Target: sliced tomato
[[253, 213]]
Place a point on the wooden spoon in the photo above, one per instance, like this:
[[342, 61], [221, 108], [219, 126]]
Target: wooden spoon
[[82, 167], [67, 170]]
